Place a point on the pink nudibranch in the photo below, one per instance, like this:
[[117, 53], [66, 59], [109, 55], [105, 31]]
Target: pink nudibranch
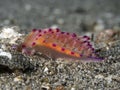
[[57, 44]]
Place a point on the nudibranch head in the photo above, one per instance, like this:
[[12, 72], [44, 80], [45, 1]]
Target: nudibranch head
[[57, 44]]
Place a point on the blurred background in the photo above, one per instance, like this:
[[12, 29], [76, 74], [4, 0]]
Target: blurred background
[[69, 15]]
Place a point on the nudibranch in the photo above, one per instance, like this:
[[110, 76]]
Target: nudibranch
[[57, 44]]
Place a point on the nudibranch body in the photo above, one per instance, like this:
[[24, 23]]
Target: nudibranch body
[[57, 44]]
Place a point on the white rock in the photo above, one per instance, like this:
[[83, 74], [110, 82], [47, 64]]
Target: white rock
[[54, 26], [46, 69], [73, 88], [2, 53], [17, 79], [99, 76], [10, 33]]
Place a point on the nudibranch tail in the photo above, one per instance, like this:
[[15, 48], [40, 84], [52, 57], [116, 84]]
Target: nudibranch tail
[[57, 44]]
